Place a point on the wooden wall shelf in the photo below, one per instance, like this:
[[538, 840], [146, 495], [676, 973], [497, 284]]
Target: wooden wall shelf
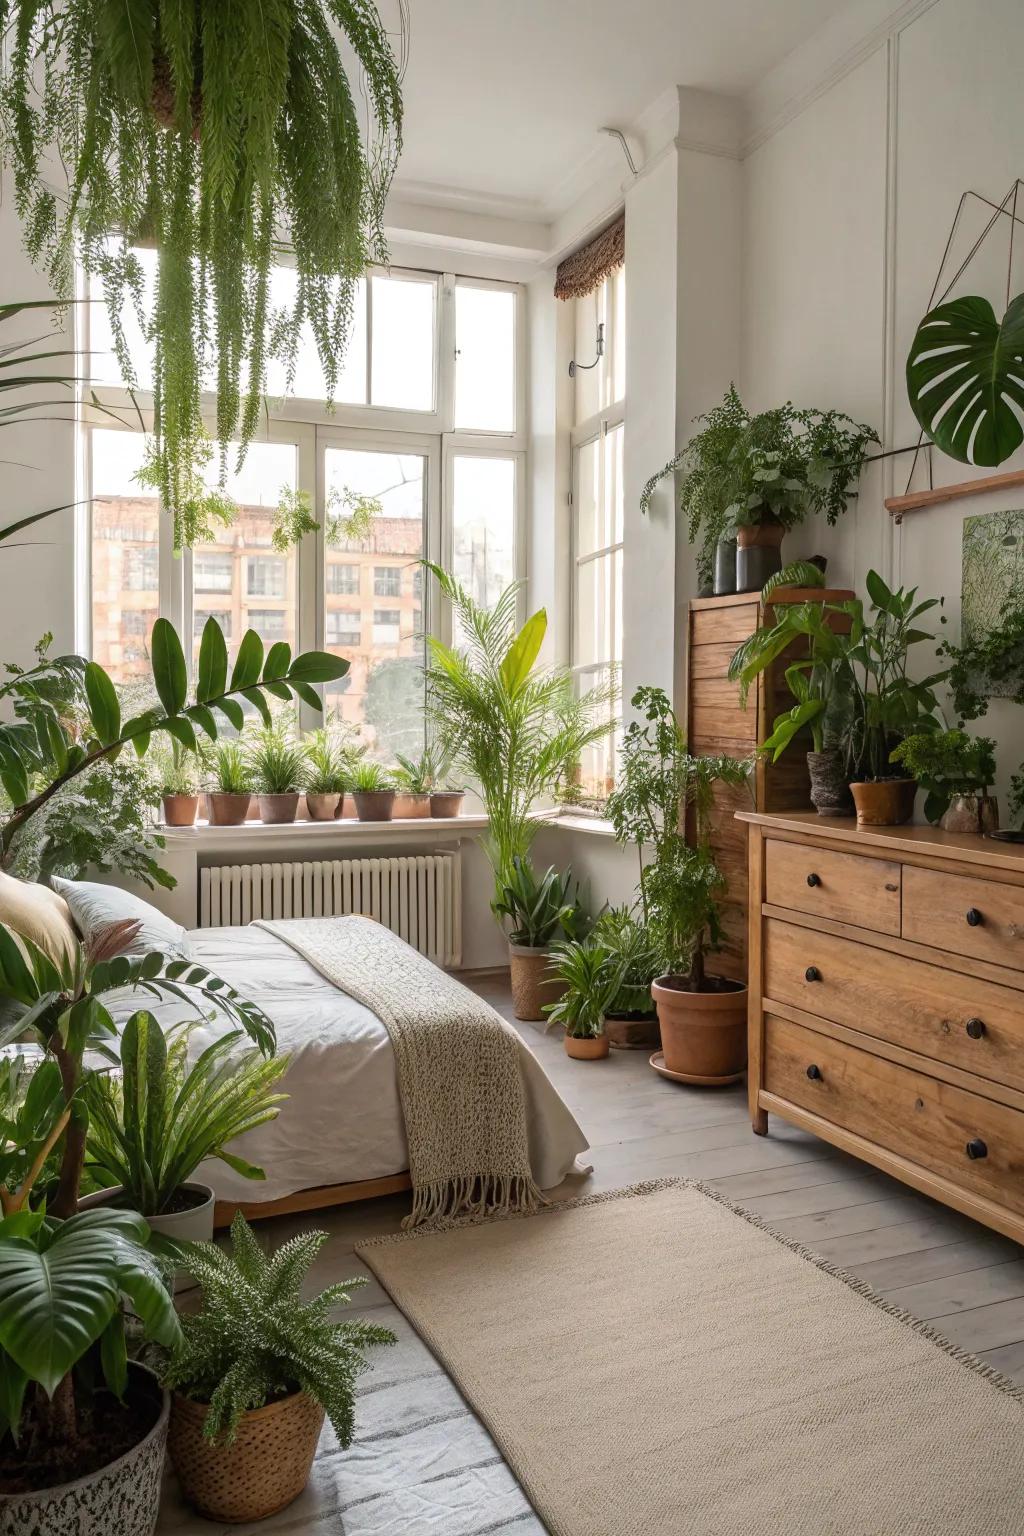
[[916, 500]]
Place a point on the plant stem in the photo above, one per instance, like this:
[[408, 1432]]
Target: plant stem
[[65, 1202]]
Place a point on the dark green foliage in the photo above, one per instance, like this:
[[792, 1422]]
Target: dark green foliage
[[963, 379], [993, 663], [947, 763], [208, 130], [255, 1340], [539, 909], [590, 982], [277, 760]]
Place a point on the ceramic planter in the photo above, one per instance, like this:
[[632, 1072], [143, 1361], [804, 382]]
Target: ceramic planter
[[374, 804], [632, 1032], [532, 986], [265, 1467], [725, 567], [227, 810], [411, 807], [758, 555], [180, 810], [884, 802], [275, 810], [586, 1047], [194, 1224], [122, 1497], [322, 807], [346, 808], [971, 813], [447, 802], [830, 791], [703, 1034]]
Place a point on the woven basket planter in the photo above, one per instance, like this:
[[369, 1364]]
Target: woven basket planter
[[532, 984], [265, 1467]]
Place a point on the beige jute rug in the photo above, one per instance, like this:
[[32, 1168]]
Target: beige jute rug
[[657, 1363]]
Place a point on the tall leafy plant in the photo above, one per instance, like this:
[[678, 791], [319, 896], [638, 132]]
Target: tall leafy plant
[[216, 133], [506, 723]]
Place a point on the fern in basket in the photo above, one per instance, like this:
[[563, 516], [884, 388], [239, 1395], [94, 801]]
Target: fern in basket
[[255, 1341]]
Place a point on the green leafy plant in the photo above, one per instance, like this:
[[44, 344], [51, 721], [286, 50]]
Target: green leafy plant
[[993, 663], [230, 770], [591, 983], [175, 768], [255, 1340], [328, 767], [277, 761], [633, 956], [776, 467], [511, 727], [349, 517], [32, 1121], [963, 379], [947, 763], [537, 909], [371, 778], [416, 775], [661, 787], [204, 133], [820, 680], [154, 1122]]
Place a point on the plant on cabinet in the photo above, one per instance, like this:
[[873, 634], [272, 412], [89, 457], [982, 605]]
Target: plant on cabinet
[[956, 771], [256, 1370]]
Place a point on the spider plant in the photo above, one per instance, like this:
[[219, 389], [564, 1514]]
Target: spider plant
[[277, 761], [371, 779], [230, 770], [591, 983], [509, 725], [326, 763], [204, 130]]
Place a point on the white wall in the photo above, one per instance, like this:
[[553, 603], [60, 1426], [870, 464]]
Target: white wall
[[848, 200]]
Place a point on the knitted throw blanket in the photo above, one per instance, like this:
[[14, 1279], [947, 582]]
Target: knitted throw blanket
[[457, 1060]]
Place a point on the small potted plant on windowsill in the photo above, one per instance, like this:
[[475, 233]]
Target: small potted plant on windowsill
[[538, 911], [956, 771], [178, 779], [413, 779], [230, 789], [325, 774], [373, 790], [257, 1369], [589, 982], [278, 766]]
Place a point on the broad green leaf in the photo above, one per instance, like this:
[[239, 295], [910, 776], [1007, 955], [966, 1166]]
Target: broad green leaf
[[13, 1381], [307, 694], [104, 710], [248, 662], [15, 976], [278, 660], [234, 712], [523, 652], [170, 673], [317, 667], [259, 703], [180, 728], [964, 379], [114, 1355], [204, 718], [878, 592], [212, 675], [13, 774]]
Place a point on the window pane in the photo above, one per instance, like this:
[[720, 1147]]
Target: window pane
[[309, 383], [596, 778], [402, 365], [598, 601], [484, 524], [382, 640], [599, 493], [102, 365], [485, 358], [125, 557]]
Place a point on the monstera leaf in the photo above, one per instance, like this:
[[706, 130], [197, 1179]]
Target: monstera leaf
[[963, 372]]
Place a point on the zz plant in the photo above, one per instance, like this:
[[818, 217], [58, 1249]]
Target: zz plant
[[206, 130]]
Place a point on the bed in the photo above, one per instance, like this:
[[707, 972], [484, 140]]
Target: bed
[[340, 1135]]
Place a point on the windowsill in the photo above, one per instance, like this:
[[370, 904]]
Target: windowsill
[[570, 821], [205, 837]]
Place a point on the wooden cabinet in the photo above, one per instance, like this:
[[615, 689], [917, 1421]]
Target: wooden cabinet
[[717, 722], [887, 1002]]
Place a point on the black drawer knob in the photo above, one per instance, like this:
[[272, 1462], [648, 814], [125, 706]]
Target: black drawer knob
[[974, 918], [813, 880], [976, 1149], [975, 1028], [812, 973], [814, 1073]]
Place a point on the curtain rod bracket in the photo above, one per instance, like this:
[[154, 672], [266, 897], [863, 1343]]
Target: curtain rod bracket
[[616, 133]]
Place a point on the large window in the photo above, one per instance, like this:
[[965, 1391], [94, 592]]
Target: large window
[[426, 435], [597, 508]]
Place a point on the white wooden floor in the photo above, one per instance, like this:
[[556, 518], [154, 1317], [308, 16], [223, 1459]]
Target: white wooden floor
[[423, 1466]]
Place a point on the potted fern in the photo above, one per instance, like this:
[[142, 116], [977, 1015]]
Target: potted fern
[[278, 765], [413, 778], [257, 1369], [373, 790], [152, 1123], [229, 791]]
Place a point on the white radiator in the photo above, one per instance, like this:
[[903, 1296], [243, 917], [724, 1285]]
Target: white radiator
[[419, 898]]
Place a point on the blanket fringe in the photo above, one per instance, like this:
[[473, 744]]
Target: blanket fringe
[[472, 1197]]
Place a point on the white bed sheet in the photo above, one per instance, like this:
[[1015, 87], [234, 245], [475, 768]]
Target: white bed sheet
[[342, 1120]]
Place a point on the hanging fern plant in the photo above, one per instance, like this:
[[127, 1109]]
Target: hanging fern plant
[[221, 132]]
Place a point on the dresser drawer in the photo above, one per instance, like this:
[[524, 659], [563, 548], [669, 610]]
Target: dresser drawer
[[926, 1121], [975, 1025], [842, 886], [964, 915]]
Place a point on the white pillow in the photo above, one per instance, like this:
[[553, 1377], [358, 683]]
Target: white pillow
[[93, 906]]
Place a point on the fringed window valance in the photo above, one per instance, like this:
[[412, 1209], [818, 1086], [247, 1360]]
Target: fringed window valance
[[587, 268]]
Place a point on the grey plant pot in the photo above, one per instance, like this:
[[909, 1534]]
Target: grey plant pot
[[725, 567], [121, 1498]]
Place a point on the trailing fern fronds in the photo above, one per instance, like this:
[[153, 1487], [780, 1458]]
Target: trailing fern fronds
[[255, 1340]]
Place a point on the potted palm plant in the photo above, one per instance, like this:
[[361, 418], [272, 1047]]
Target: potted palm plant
[[325, 774], [278, 766], [956, 771], [176, 770], [256, 1370], [661, 789], [588, 983], [230, 785], [373, 790], [414, 778], [537, 912], [152, 1123]]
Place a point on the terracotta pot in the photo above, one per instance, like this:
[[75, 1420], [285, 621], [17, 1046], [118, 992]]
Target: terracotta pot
[[265, 1467], [703, 1034], [532, 987], [180, 810], [830, 792], [346, 808], [122, 1497], [592, 1048], [323, 807], [411, 807], [632, 1033], [760, 536], [227, 810], [374, 804], [447, 802], [884, 802], [276, 809]]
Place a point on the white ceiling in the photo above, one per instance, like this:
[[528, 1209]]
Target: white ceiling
[[504, 98]]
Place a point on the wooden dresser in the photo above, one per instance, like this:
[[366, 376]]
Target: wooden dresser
[[887, 1002]]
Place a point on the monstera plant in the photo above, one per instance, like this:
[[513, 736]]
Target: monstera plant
[[220, 134], [964, 378]]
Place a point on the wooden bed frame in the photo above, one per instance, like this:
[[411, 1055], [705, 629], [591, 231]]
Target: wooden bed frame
[[314, 1199]]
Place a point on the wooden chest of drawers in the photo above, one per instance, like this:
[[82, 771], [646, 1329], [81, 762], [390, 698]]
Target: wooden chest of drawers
[[887, 1002]]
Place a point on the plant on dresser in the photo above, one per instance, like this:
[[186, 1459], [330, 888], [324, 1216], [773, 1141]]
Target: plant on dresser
[[956, 771]]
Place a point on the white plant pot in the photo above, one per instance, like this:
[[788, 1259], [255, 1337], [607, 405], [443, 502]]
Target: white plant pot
[[192, 1226], [122, 1497]]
